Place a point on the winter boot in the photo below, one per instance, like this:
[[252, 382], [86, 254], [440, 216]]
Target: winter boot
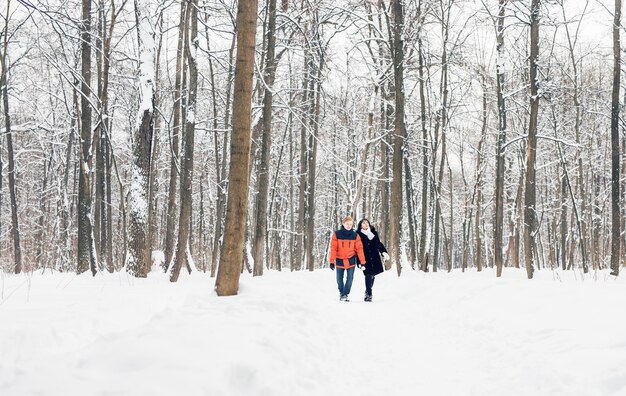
[[368, 297], [343, 298]]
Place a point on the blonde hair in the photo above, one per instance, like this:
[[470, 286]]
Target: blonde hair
[[347, 218]]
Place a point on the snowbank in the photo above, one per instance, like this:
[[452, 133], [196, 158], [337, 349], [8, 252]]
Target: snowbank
[[287, 334]]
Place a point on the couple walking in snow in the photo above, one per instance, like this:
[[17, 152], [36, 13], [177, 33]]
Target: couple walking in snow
[[361, 248]]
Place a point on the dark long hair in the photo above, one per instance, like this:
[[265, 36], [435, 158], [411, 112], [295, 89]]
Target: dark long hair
[[358, 227]]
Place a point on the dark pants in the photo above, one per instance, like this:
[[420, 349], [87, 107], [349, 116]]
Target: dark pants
[[344, 288], [369, 283]]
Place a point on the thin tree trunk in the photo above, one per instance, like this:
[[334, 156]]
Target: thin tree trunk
[[86, 252], [218, 175], [385, 161], [310, 223], [176, 130], [399, 135], [292, 217], [41, 247], [438, 185], [15, 229], [183, 248], [65, 249], [479, 182], [221, 166], [530, 201], [100, 210], [154, 154], [450, 240], [500, 157], [425, 141], [260, 235], [577, 124], [441, 124], [408, 184], [615, 154], [109, 214], [563, 221], [303, 168], [103, 177]]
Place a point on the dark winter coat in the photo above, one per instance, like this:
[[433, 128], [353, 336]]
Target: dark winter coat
[[373, 249], [346, 248]]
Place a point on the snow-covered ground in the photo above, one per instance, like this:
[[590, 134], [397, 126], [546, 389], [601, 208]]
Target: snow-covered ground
[[287, 334]]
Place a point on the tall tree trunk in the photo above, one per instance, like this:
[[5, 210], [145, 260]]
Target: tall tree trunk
[[577, 124], [615, 154], [42, 247], [138, 260], [216, 152], [479, 182], [170, 228], [65, 249], [500, 158], [399, 135], [221, 167], [441, 123], [564, 226], [86, 252], [425, 141], [109, 202], [310, 223], [449, 241], [408, 188], [385, 162], [15, 229], [260, 234], [530, 201], [437, 219], [103, 180], [99, 209], [183, 248], [154, 154], [292, 211], [302, 171], [227, 282]]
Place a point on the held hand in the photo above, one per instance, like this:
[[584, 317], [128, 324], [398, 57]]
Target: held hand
[[385, 256], [332, 266]]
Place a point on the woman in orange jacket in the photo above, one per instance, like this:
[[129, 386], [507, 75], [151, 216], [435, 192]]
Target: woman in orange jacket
[[345, 246]]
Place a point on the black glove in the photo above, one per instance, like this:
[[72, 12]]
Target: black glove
[[332, 267], [359, 266]]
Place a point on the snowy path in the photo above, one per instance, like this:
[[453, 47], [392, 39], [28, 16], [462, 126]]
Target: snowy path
[[286, 334]]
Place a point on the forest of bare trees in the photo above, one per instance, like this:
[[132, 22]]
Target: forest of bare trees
[[223, 136]]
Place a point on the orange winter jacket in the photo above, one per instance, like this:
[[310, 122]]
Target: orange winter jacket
[[345, 245]]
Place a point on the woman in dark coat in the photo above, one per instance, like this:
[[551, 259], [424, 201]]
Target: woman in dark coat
[[372, 248]]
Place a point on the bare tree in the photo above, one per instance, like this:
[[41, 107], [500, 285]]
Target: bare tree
[[399, 134], [191, 49], [176, 130], [139, 261], [425, 141], [227, 282], [499, 193], [86, 250], [260, 234], [615, 154], [15, 229]]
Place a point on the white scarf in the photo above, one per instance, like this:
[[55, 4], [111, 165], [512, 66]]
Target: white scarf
[[368, 233]]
